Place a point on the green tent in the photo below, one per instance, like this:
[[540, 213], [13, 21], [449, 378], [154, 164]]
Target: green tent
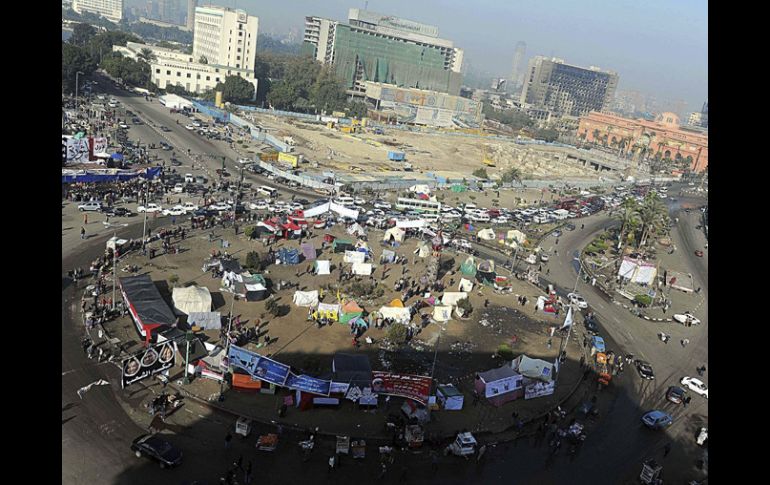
[[350, 311], [458, 188], [340, 245], [468, 268]]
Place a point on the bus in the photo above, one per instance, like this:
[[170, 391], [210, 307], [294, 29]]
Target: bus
[[426, 207], [344, 200], [269, 191]]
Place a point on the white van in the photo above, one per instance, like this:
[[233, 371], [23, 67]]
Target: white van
[[345, 200], [189, 179], [267, 190]]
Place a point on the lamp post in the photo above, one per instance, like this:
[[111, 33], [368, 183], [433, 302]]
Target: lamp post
[[114, 266], [188, 336]]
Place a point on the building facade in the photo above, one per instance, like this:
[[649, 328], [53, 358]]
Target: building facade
[[564, 89], [112, 10], [518, 62], [224, 44], [661, 139], [379, 48]]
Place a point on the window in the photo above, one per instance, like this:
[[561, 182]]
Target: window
[[168, 73], [157, 71], [240, 34], [217, 79], [238, 65], [237, 58], [208, 78], [178, 74], [197, 76], [239, 49], [189, 75]]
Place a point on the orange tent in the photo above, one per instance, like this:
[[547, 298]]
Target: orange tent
[[396, 303]]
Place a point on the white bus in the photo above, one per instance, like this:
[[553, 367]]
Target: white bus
[[344, 200], [269, 191], [427, 207]]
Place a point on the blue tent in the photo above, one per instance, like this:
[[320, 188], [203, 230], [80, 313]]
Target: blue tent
[[288, 256], [117, 156]]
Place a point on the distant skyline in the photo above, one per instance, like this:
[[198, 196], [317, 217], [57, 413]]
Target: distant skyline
[[659, 47]]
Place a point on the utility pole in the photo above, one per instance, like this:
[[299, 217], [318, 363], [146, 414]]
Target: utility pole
[[76, 89], [188, 336], [114, 266], [144, 226]]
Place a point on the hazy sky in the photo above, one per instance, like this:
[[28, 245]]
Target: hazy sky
[[656, 46]]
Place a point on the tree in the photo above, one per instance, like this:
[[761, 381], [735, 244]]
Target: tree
[[203, 60], [327, 92], [357, 109], [281, 95], [146, 55], [236, 90], [547, 134], [510, 175], [397, 334], [481, 173], [253, 261], [465, 306], [82, 34], [74, 59], [629, 218], [653, 215]]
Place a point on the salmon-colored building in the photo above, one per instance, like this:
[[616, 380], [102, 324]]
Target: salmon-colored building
[[662, 139]]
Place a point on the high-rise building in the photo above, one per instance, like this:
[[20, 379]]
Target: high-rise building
[[564, 89], [225, 37], [112, 10], [385, 49], [704, 114], [518, 63], [191, 4]]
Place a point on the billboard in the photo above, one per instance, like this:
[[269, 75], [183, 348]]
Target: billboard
[[404, 385], [77, 149], [286, 158], [156, 358], [257, 366]]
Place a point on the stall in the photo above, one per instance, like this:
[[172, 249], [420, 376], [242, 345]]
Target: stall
[[342, 245], [362, 269], [500, 385], [327, 310], [450, 398], [306, 298], [322, 267], [147, 307]]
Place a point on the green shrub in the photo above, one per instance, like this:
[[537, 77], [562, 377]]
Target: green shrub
[[643, 300], [505, 352], [253, 261], [250, 231], [173, 279], [465, 306], [397, 333]]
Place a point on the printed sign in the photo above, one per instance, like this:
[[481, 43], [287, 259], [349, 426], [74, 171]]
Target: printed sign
[[539, 389], [155, 359], [308, 384], [503, 386], [404, 385], [257, 366]]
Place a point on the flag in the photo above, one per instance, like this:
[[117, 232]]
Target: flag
[[568, 320], [85, 389]]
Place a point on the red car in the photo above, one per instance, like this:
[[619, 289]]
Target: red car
[[699, 253]]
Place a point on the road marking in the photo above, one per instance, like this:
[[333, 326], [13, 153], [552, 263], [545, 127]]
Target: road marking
[[68, 372]]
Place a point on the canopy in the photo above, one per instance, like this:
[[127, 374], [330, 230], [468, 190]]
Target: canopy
[[327, 310], [468, 268], [340, 245], [308, 250], [401, 315], [486, 234], [466, 285], [516, 235], [640, 272], [205, 320], [423, 250], [323, 267], [331, 206], [354, 257], [405, 223], [487, 266], [306, 298], [396, 303], [451, 298], [363, 269], [193, 299], [356, 230], [288, 256], [145, 304], [442, 313], [394, 233], [533, 368], [420, 189], [352, 307]]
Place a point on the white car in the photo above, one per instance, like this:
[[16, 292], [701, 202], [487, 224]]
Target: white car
[[90, 206], [577, 300], [544, 258], [196, 124], [686, 318], [190, 127], [696, 385], [189, 207], [123, 125], [381, 204], [189, 179], [220, 206], [296, 206], [177, 210], [259, 205], [178, 188], [150, 208]]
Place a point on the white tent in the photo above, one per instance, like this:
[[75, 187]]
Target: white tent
[[640, 272], [306, 298], [487, 234], [195, 299], [466, 285], [420, 189], [394, 232], [423, 250], [363, 269], [516, 235], [317, 210], [399, 314], [354, 257], [323, 267], [331, 206], [405, 223], [356, 230], [533, 368], [442, 313], [451, 298], [205, 320]]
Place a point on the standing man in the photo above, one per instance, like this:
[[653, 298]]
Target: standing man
[[82, 232]]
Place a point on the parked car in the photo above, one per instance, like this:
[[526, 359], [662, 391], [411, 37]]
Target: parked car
[[189, 207], [190, 127], [117, 212], [657, 419], [686, 318], [676, 394], [578, 300], [123, 125], [158, 449], [220, 206], [188, 178], [90, 206], [556, 233], [165, 128], [645, 369], [175, 162], [177, 210], [381, 204], [570, 227], [544, 258], [696, 385], [151, 207], [589, 321], [178, 188]]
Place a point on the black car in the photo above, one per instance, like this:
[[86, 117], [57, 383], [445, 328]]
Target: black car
[[676, 394], [570, 227], [136, 121], [117, 212], [165, 128], [157, 449], [589, 321], [175, 162], [645, 369]]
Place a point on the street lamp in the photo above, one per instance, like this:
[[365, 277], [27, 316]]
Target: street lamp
[[188, 336]]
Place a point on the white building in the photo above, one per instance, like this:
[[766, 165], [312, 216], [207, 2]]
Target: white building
[[112, 10], [225, 39]]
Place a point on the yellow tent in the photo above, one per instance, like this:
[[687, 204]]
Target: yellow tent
[[396, 303]]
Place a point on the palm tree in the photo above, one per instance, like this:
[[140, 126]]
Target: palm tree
[[146, 55], [629, 218], [653, 215]]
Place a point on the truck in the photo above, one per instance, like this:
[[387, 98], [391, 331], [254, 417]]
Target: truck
[[396, 156], [463, 445], [602, 369]]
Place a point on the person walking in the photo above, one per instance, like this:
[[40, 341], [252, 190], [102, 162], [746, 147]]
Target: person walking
[[701, 370], [82, 232], [687, 401], [228, 440]]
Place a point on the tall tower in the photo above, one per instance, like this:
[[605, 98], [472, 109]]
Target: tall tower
[[191, 4], [518, 59]]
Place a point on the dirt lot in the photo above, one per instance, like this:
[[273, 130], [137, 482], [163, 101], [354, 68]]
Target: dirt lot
[[427, 152]]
